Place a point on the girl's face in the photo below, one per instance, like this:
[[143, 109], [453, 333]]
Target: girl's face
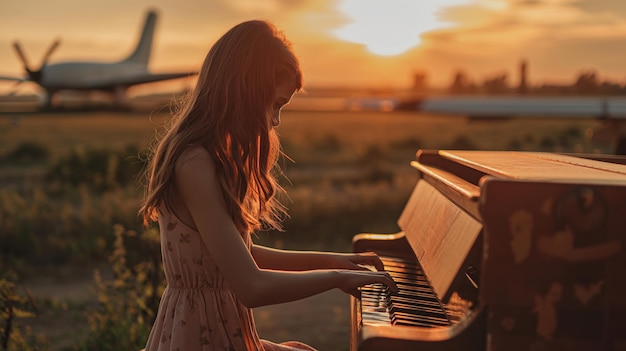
[[284, 93]]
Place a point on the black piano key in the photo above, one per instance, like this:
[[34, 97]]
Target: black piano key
[[418, 320], [406, 305], [398, 262], [417, 278], [418, 294], [417, 313], [413, 285], [412, 299]]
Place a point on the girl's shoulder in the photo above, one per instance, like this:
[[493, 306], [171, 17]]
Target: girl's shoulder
[[194, 157], [193, 153], [194, 163]]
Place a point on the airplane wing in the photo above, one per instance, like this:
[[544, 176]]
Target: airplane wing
[[14, 79], [127, 80]]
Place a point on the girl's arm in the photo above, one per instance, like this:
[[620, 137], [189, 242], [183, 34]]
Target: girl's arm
[[199, 192], [271, 258]]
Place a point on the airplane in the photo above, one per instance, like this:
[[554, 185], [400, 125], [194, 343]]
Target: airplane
[[610, 110], [111, 77]]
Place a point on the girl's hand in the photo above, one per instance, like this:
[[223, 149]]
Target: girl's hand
[[352, 280], [357, 261]]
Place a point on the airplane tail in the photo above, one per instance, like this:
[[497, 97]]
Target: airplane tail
[[144, 46]]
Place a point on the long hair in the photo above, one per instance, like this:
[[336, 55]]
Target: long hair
[[228, 114]]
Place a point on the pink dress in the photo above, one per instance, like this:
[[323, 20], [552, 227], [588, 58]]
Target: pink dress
[[198, 311]]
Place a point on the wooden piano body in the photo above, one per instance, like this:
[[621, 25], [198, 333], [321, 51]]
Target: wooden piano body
[[522, 251]]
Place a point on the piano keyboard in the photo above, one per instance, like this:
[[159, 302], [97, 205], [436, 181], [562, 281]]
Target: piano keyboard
[[414, 304]]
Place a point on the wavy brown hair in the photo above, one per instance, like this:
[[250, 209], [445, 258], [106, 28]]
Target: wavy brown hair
[[228, 114]]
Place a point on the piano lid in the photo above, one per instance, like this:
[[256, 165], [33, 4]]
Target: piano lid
[[537, 166]]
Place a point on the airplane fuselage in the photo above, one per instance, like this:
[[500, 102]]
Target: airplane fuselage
[[91, 75]]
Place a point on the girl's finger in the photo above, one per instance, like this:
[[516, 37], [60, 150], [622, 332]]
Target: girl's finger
[[372, 259]]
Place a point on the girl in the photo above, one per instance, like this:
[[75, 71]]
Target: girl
[[211, 184]]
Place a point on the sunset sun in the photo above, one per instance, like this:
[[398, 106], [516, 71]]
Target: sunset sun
[[390, 27]]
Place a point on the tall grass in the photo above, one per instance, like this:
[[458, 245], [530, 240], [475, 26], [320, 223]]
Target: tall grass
[[16, 303], [127, 304]]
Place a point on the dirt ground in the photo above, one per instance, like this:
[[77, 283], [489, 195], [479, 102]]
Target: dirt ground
[[322, 321]]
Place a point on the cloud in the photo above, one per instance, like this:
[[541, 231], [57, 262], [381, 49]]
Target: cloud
[[521, 22], [617, 7], [558, 37]]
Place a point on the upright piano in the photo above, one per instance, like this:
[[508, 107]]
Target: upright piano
[[501, 251]]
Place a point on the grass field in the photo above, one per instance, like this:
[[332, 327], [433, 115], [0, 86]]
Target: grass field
[[62, 132], [350, 174]]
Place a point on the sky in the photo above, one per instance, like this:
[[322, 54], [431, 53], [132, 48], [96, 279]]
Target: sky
[[366, 43]]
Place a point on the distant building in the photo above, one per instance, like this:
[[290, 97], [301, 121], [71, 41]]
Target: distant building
[[523, 71], [420, 82]]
